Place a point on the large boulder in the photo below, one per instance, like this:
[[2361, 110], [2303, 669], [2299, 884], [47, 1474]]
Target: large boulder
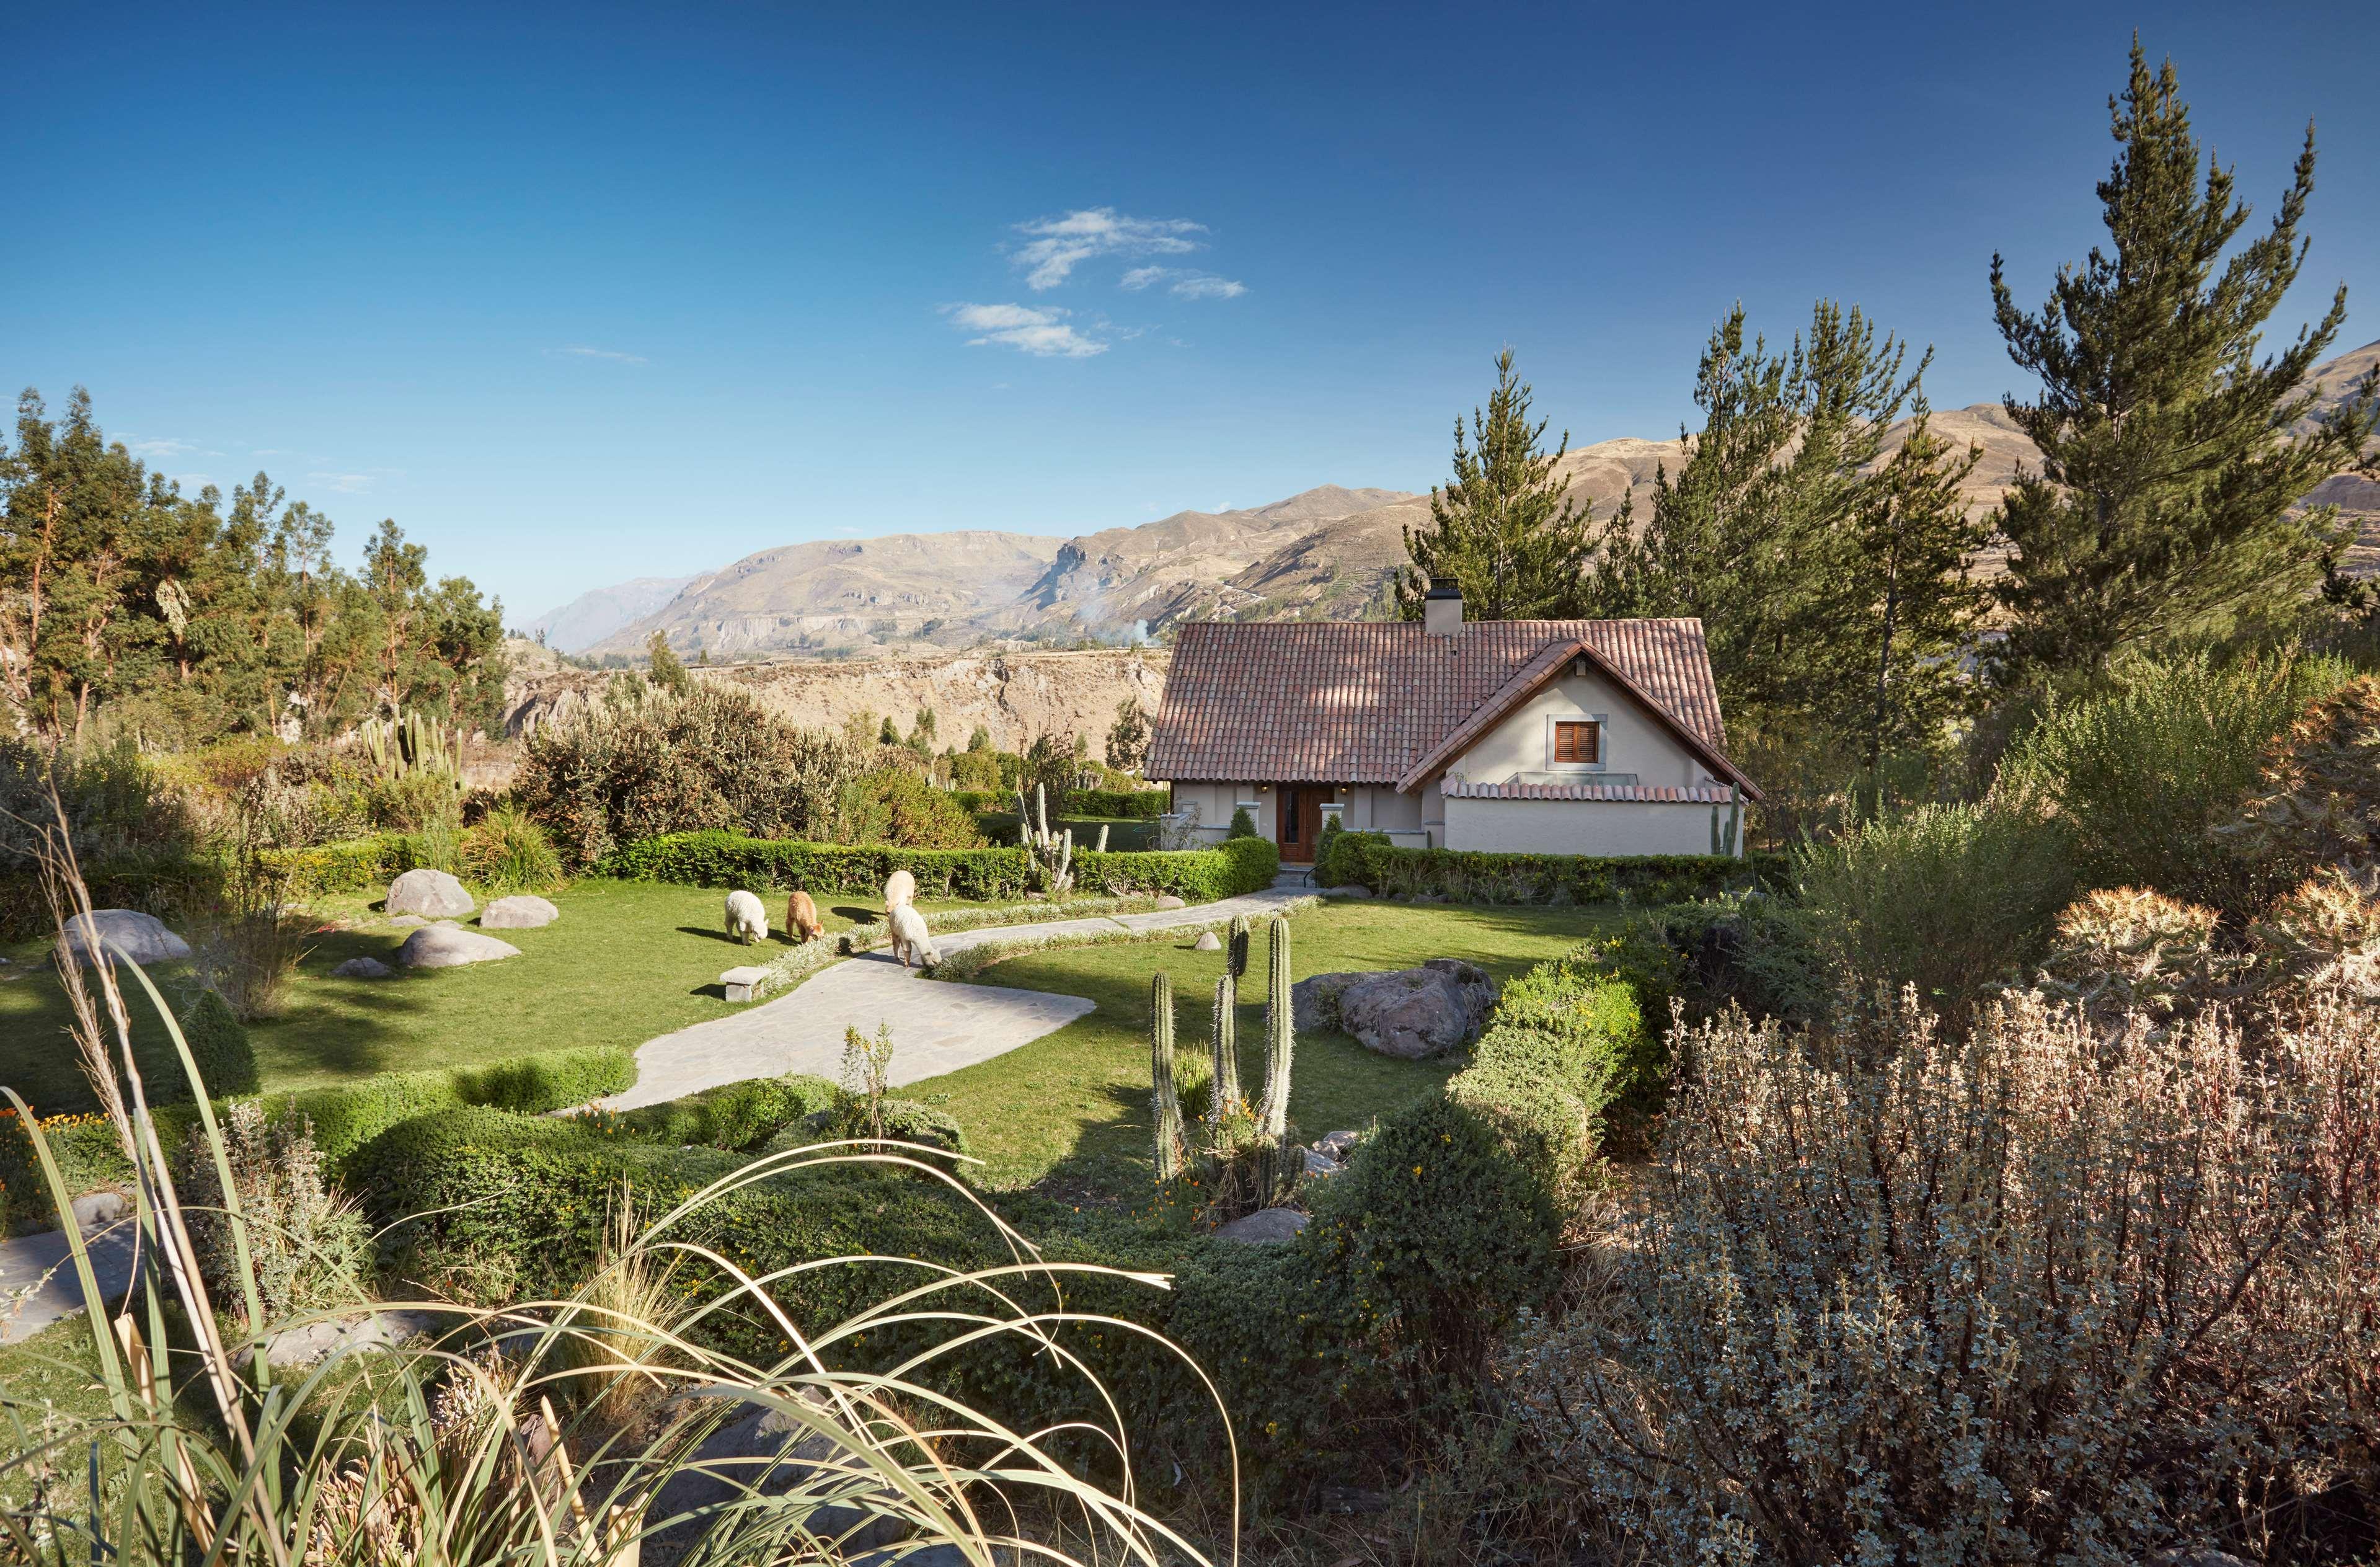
[[766, 1453], [1264, 1227], [1314, 1001], [362, 969], [125, 932], [451, 946], [1416, 1013], [523, 911], [432, 894]]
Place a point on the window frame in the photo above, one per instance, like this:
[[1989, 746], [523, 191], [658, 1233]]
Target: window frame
[[1601, 723]]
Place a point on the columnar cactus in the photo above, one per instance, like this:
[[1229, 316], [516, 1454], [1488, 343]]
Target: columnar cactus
[[1723, 841], [1166, 1102], [1235, 959], [1280, 1036], [1225, 1034], [1051, 854]]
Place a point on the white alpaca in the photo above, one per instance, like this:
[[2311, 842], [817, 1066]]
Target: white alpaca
[[899, 888], [748, 921], [911, 938]]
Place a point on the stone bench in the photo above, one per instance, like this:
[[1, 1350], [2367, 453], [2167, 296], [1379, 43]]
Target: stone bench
[[739, 982]]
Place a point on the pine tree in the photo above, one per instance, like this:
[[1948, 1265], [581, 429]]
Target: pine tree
[[1501, 527], [1770, 529], [1910, 601], [2163, 503]]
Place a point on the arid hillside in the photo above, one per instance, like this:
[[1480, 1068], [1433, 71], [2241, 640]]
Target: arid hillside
[[1016, 696]]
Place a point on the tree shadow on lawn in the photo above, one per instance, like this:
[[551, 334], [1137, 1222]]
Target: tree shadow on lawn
[[858, 914]]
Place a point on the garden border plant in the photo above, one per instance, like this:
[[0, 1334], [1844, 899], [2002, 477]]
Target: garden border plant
[[1373, 860]]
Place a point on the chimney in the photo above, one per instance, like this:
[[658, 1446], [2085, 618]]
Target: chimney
[[1441, 608]]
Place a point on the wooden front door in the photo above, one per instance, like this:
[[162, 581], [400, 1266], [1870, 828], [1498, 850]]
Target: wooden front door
[[1297, 817]]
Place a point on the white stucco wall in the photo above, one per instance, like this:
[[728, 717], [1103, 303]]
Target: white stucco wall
[[1217, 801], [1578, 827], [1633, 741]]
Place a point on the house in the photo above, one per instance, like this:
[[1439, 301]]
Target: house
[[1540, 736]]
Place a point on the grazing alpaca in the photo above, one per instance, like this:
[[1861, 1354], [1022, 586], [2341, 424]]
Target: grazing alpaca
[[801, 918], [911, 938], [899, 888], [747, 920]]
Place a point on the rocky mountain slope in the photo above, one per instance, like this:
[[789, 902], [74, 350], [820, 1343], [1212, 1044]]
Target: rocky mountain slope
[[1326, 552], [591, 617]]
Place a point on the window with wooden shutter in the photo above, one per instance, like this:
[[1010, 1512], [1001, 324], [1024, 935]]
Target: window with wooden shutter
[[1578, 742]]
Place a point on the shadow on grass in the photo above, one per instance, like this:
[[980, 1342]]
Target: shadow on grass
[[714, 934], [858, 914]]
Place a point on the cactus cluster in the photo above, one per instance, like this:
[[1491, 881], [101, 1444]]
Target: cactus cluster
[[1052, 854], [1281, 1037], [1226, 1024], [407, 744], [1248, 1157]]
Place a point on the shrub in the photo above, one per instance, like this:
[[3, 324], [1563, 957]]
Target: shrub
[[87, 1153], [249, 952], [714, 759], [226, 1062], [2145, 774], [897, 806], [354, 865], [1242, 824], [506, 851], [2319, 800], [1137, 805], [739, 1117], [1946, 898], [2039, 1294], [305, 1240]]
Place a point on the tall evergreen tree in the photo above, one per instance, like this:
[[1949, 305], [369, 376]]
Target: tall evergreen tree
[[1786, 532], [1501, 527], [2163, 503]]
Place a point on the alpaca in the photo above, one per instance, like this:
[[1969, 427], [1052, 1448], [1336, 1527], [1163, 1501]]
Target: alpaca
[[911, 938], [802, 917], [899, 888], [748, 921]]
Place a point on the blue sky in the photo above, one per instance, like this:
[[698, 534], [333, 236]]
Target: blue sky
[[591, 292]]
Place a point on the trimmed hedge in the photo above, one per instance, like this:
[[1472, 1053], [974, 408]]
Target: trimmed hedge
[[159, 886], [345, 1115], [1470, 876], [219, 1045], [354, 865], [717, 859]]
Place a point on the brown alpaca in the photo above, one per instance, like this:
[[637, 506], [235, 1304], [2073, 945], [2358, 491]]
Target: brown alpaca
[[802, 917]]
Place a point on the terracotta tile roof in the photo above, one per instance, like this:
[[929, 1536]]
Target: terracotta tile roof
[[1700, 795], [1364, 702]]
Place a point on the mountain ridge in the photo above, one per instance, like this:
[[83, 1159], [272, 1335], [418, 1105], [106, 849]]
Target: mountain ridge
[[1324, 552]]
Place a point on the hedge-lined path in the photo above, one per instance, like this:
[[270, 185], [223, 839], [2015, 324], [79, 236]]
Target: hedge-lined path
[[937, 1027]]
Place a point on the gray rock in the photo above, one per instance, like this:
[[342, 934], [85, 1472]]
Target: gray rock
[[1349, 890], [451, 946], [522, 911], [762, 1450], [1207, 942], [1337, 1145], [408, 921], [1416, 1013], [1264, 1227], [1170, 901], [125, 932], [379, 1330], [94, 1211], [362, 969], [1314, 1001], [1319, 1164], [431, 893]]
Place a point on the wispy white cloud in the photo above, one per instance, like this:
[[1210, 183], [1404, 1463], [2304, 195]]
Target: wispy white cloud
[[192, 481], [1055, 246], [581, 351], [1039, 330], [1185, 284], [156, 448], [353, 483]]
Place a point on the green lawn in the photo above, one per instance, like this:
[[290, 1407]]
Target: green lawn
[[626, 961], [1071, 1110]]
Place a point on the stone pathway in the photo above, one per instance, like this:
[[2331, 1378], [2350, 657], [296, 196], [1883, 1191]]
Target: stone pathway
[[40, 1264], [937, 1028]]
